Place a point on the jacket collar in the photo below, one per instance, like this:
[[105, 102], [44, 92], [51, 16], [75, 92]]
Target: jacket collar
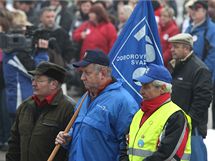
[[55, 101], [187, 57]]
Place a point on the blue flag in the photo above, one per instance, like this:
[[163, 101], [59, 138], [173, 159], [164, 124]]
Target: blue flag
[[137, 45]]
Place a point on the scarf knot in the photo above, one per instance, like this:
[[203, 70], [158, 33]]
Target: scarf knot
[[153, 104]]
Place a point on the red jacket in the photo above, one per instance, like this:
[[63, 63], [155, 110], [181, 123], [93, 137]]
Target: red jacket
[[165, 32], [100, 36]]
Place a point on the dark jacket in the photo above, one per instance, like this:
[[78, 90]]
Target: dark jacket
[[192, 90], [64, 44], [35, 129], [59, 41]]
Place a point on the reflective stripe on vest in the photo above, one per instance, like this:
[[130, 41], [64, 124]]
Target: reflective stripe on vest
[[186, 156], [139, 152], [143, 141], [146, 153]]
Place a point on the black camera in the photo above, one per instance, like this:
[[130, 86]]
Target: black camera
[[17, 40], [10, 42]]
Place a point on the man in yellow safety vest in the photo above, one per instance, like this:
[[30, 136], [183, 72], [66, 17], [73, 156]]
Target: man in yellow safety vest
[[160, 130]]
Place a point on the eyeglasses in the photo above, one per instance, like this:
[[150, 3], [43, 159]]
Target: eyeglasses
[[38, 80]]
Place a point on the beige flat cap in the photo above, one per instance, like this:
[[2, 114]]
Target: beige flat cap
[[183, 38]]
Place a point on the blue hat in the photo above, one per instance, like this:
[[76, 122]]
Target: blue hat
[[93, 56], [155, 72]]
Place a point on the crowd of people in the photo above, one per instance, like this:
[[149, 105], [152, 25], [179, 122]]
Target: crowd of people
[[55, 42]]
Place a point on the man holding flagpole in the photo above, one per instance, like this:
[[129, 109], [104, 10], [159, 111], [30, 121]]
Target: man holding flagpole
[[98, 133], [137, 45]]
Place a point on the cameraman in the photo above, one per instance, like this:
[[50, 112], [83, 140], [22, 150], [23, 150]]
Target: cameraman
[[17, 62], [62, 43]]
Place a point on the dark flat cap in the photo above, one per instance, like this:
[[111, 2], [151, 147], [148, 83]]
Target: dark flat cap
[[50, 70]]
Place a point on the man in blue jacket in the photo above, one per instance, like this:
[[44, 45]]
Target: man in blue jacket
[[98, 133]]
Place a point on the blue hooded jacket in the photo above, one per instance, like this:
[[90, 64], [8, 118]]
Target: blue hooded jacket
[[101, 125], [201, 33]]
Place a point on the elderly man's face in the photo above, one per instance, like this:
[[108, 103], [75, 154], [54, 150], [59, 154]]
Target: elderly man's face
[[178, 51], [91, 77], [149, 91], [42, 86]]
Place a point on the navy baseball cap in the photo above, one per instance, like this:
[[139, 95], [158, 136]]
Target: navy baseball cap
[[93, 56], [155, 72]]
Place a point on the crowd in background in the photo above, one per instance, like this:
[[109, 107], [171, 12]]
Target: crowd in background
[[80, 25]]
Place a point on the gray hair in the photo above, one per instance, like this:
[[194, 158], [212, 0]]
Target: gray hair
[[98, 68], [159, 83], [46, 9]]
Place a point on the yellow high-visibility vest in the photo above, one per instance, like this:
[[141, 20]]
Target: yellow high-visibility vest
[[143, 140]]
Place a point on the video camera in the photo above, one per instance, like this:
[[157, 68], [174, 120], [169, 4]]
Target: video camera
[[17, 40]]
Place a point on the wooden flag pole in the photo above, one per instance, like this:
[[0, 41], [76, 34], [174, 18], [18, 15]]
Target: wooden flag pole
[[68, 127]]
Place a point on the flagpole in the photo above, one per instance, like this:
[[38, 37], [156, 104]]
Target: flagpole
[[68, 127]]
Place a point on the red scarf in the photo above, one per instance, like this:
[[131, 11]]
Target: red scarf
[[150, 106]]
